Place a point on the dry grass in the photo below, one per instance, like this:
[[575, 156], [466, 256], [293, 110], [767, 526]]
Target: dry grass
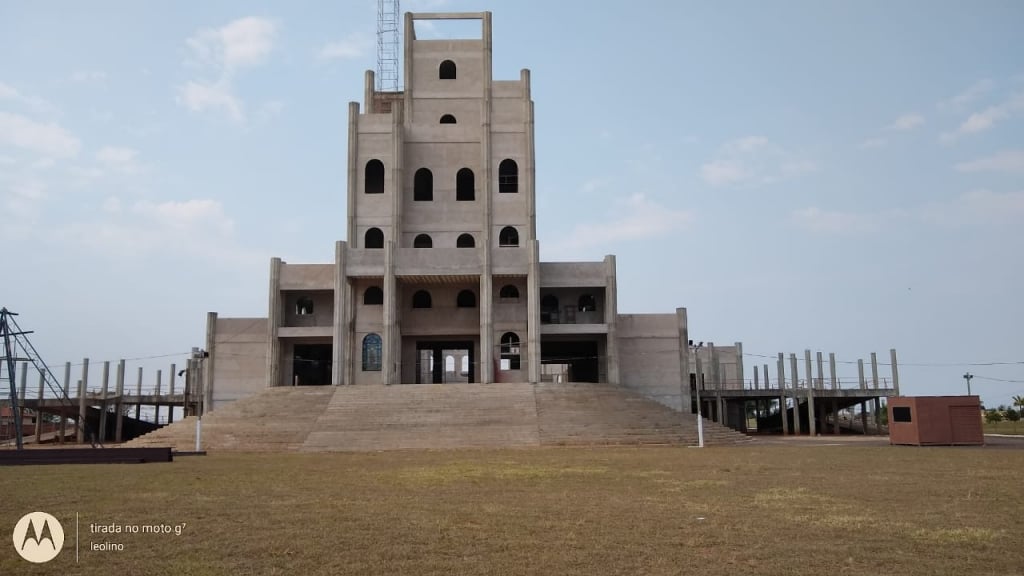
[[743, 510], [1004, 427]]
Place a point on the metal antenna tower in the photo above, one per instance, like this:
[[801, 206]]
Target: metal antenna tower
[[388, 45]]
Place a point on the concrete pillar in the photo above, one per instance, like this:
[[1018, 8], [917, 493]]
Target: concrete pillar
[[757, 382], [391, 297], [156, 405], [739, 365], [878, 410], [353, 169], [208, 362], [811, 411], [119, 402], [835, 416], [874, 371], [39, 409], [275, 315], [780, 367], [170, 388], [103, 402], [487, 347], [408, 61], [67, 396], [832, 369], [83, 387], [487, 343], [895, 371], [766, 386], [683, 326], [369, 87], [138, 396], [533, 312], [342, 332], [611, 318], [864, 417], [698, 370], [860, 373], [794, 377], [821, 374]]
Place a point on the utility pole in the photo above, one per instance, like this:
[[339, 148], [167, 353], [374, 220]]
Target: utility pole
[[968, 376]]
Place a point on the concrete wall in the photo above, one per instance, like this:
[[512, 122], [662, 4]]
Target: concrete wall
[[649, 356], [240, 351]]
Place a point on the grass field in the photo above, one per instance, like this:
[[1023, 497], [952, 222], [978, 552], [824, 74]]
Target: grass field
[[1004, 428], [736, 511]]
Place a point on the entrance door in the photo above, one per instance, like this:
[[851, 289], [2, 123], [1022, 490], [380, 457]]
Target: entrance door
[[444, 362], [312, 365]]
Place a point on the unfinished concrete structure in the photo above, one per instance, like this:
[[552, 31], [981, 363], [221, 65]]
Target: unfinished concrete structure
[[439, 278]]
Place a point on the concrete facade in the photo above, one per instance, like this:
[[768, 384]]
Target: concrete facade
[[439, 277]]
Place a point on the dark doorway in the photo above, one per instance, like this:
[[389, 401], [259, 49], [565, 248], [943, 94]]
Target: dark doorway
[[582, 358], [312, 365], [432, 366]]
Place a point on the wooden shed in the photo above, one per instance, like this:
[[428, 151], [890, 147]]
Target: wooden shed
[[935, 420]]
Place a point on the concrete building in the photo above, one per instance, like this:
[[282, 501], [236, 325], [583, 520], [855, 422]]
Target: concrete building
[[439, 278]]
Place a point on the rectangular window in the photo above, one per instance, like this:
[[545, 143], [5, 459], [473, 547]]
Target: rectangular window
[[901, 413]]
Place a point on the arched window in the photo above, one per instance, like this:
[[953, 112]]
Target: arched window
[[422, 241], [508, 292], [304, 306], [449, 364], [448, 119], [421, 299], [587, 303], [549, 309], [373, 296], [465, 185], [466, 299], [465, 241], [371, 353], [446, 71], [374, 177], [374, 238], [510, 350], [423, 185], [508, 176], [508, 237]]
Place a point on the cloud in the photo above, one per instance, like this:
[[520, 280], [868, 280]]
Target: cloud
[[871, 143], [119, 159], [190, 214], [240, 44], [836, 222], [751, 161], [982, 207], [37, 105], [47, 139], [349, 48], [635, 218], [906, 122], [987, 118], [1005, 161], [86, 76], [975, 91]]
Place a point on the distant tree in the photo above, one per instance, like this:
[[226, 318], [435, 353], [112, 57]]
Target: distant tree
[[1001, 407], [1018, 401], [993, 416], [1013, 416]]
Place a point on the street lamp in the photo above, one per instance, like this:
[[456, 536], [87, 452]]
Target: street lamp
[[968, 376]]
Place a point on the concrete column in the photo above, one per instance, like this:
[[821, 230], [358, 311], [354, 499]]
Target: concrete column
[[533, 312], [682, 324], [156, 405], [766, 386], [103, 402], [832, 369], [794, 377], [878, 410], [83, 387], [611, 318], [274, 317], [208, 362], [835, 416], [409, 61], [864, 418], [170, 386], [821, 374], [860, 373], [119, 403], [487, 347], [369, 87], [342, 333], [757, 382], [353, 171], [388, 353], [811, 410], [138, 396], [874, 371], [39, 409], [487, 344], [67, 396], [895, 371], [739, 365], [527, 177], [780, 367]]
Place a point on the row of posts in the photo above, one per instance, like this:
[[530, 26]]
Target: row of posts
[[819, 382], [193, 375]]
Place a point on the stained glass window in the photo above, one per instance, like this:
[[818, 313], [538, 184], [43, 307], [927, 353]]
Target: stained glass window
[[371, 353]]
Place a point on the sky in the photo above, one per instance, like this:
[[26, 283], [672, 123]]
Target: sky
[[843, 177]]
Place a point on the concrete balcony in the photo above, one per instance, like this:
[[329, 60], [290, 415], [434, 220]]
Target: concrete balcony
[[307, 276], [573, 328], [305, 332], [362, 262], [438, 262], [572, 274], [510, 260]]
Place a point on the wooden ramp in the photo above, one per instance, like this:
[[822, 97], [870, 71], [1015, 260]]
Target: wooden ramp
[[437, 416]]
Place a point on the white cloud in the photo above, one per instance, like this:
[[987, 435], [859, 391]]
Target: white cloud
[[1005, 161], [635, 218], [47, 139], [982, 207], [190, 214], [119, 159], [112, 204], [349, 48], [835, 222], [987, 118], [906, 122], [198, 97], [8, 92], [85, 76], [37, 105], [975, 91], [751, 161], [871, 143]]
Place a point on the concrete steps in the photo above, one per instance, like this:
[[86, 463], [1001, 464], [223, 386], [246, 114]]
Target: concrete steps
[[437, 416]]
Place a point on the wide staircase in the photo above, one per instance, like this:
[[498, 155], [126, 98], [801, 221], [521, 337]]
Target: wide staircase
[[437, 416]]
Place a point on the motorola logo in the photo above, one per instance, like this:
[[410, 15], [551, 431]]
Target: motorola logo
[[38, 537]]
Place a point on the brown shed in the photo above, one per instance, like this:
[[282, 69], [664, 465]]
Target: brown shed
[[924, 420]]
